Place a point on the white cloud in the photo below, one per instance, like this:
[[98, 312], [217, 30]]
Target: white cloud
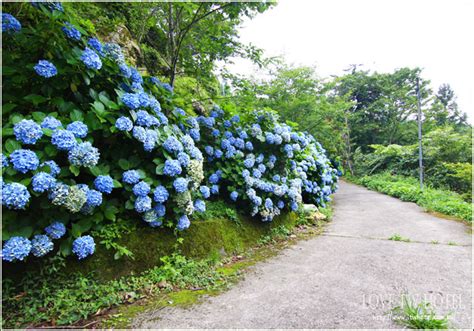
[[435, 35]]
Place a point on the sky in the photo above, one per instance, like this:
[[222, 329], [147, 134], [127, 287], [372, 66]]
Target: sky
[[382, 35]]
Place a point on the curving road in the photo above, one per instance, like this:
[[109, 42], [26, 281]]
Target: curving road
[[350, 277]]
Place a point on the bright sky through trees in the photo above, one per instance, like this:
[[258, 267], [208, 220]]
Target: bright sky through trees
[[435, 35]]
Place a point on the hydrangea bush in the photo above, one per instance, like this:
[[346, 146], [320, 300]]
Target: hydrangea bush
[[88, 141]]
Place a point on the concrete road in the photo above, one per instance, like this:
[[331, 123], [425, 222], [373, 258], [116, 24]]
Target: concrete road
[[350, 277]]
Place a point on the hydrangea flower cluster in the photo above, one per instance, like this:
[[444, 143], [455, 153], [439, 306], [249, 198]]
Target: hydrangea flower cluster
[[10, 23], [45, 69], [71, 32], [91, 59]]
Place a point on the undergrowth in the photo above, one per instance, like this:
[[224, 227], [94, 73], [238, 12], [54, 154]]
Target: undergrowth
[[408, 189], [419, 316]]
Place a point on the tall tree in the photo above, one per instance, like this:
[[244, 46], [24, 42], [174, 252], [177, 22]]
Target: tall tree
[[444, 109]]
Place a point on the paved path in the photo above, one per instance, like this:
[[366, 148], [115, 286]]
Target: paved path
[[350, 277]]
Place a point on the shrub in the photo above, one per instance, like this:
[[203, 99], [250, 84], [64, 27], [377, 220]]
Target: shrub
[[92, 144]]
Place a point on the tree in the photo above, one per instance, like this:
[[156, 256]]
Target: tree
[[444, 109]]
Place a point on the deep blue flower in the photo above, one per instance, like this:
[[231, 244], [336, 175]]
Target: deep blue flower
[[276, 178], [54, 169], [214, 179], [136, 77], [235, 118], [245, 173], [104, 184], [280, 204], [41, 245], [16, 248], [84, 155], [268, 203], [139, 133], [161, 194], [130, 177], [24, 160], [27, 131], [83, 246], [15, 196], [10, 23], [124, 124], [249, 146], [206, 193], [234, 195], [249, 163], [294, 206], [91, 59], [143, 204], [94, 198], [125, 70], [50, 5], [145, 119], [200, 206], [78, 128], [4, 160], [43, 181], [167, 87], [71, 32], [96, 44], [172, 168], [141, 189], [45, 69], [227, 124], [160, 210], [183, 223], [63, 139], [256, 173], [194, 133], [218, 153], [114, 52], [262, 168], [50, 122], [56, 230], [180, 185], [216, 133]]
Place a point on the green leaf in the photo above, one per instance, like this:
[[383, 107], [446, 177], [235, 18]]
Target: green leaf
[[124, 164], [75, 170], [159, 169], [76, 230], [12, 145], [110, 212], [50, 150], [65, 247], [7, 132], [117, 184], [129, 205], [95, 171], [99, 107], [7, 107], [38, 116], [76, 115], [35, 99]]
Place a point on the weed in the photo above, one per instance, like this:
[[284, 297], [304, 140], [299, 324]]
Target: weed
[[435, 242], [397, 237], [452, 243], [418, 316]]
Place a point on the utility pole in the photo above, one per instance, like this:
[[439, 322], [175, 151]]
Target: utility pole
[[420, 145]]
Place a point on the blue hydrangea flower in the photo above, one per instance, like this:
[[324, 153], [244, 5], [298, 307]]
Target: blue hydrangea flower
[[50, 122], [206, 193], [161, 194], [268, 203], [256, 173], [139, 133], [216, 133], [194, 133], [50, 5], [143, 204], [27, 131], [15, 196], [214, 179], [91, 59], [180, 185], [215, 189], [243, 135], [209, 150], [145, 119], [245, 173], [218, 153], [43, 181], [160, 210], [56, 230], [10, 23], [59, 194], [262, 168], [167, 87], [131, 177], [16, 248], [249, 146], [259, 158], [84, 155], [276, 178], [234, 195], [78, 128], [235, 118], [173, 145], [114, 52], [125, 70], [124, 124], [71, 32], [249, 163], [183, 223], [131, 100], [94, 198], [24, 160], [104, 184], [45, 69], [96, 44], [294, 206], [172, 168], [63, 140], [136, 77], [4, 161], [41, 245], [227, 124], [54, 169], [200, 206], [141, 189], [83, 246], [183, 159], [280, 204]]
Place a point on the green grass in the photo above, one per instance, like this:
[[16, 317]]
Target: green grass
[[408, 189], [418, 316], [397, 237]]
